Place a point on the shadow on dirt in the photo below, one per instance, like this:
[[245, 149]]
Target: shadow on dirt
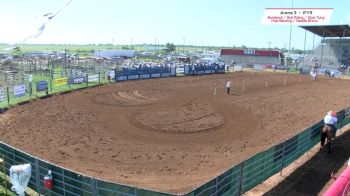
[[311, 178]]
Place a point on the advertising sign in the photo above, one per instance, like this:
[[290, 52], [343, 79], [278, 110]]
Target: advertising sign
[[60, 81], [19, 90], [41, 86], [78, 80], [237, 68], [143, 76], [2, 97], [258, 67], [112, 74], [93, 78], [133, 77]]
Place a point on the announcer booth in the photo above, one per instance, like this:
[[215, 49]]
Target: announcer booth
[[334, 49]]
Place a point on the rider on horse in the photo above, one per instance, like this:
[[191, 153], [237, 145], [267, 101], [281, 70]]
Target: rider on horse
[[330, 119]]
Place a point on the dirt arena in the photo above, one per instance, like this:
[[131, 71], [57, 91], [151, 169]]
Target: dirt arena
[[170, 134]]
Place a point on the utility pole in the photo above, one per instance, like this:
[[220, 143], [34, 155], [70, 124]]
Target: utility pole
[[269, 44]]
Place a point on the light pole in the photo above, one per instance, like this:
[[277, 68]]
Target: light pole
[[131, 43], [155, 44], [290, 36], [269, 44], [183, 46]]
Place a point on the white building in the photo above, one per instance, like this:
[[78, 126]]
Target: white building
[[114, 53]]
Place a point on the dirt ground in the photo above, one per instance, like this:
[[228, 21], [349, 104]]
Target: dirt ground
[[170, 134]]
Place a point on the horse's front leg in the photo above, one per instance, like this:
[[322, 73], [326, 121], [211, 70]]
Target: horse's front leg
[[329, 146]]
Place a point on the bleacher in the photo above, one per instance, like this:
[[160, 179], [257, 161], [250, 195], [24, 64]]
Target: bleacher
[[333, 51], [334, 54]]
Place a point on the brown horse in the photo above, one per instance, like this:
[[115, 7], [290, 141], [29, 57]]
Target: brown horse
[[327, 133]]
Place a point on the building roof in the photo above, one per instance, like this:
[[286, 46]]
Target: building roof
[[249, 52], [329, 30]]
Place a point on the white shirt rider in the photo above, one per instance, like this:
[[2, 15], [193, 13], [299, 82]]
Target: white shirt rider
[[228, 85], [330, 119]]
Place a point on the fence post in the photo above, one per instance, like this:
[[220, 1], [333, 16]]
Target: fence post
[[87, 79], [115, 74], [216, 186], [283, 151], [8, 95], [51, 85], [264, 169], [308, 142], [37, 175], [30, 90], [241, 179], [94, 187]]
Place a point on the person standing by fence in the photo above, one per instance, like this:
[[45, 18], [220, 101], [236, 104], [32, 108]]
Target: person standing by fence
[[228, 87]]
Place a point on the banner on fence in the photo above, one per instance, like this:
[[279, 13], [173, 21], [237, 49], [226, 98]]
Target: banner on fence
[[156, 75], [238, 68], [60, 81], [41, 86], [19, 90], [112, 74], [120, 78], [133, 77], [144, 76], [258, 67], [30, 78], [280, 67], [208, 71], [78, 80], [2, 97], [93, 78], [165, 75]]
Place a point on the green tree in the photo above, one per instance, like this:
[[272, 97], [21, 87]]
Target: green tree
[[17, 52], [170, 47]]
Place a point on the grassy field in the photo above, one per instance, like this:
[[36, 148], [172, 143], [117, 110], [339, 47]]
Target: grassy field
[[88, 49]]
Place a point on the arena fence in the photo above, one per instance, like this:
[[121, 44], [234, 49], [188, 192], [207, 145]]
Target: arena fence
[[263, 165], [58, 80], [234, 181]]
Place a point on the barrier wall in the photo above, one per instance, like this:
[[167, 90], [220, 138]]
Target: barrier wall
[[66, 182], [203, 69], [136, 73]]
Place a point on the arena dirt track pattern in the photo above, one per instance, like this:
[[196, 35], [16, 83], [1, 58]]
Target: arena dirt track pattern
[[170, 134]]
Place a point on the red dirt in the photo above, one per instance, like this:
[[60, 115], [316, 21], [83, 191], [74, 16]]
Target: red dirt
[[170, 134]]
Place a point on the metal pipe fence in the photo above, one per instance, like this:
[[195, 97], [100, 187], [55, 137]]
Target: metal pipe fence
[[263, 165]]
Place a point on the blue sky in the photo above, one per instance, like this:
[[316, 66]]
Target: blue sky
[[219, 22]]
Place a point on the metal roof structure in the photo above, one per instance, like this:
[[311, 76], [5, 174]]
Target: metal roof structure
[[329, 30]]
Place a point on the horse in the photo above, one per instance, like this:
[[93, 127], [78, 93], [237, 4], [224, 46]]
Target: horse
[[327, 133]]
